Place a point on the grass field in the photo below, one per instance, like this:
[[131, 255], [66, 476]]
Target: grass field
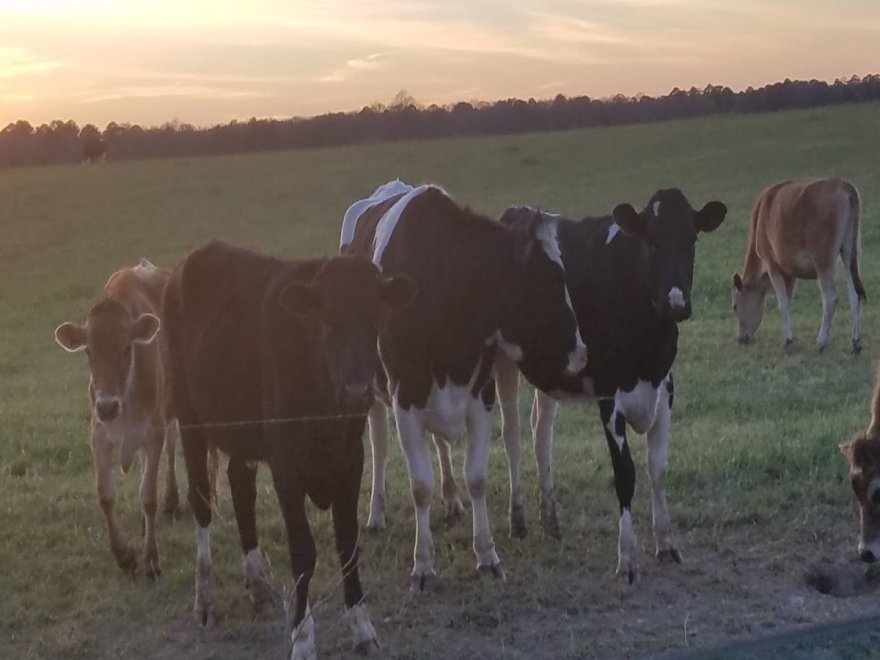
[[757, 487]]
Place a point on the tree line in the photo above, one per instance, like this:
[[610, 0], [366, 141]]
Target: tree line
[[404, 118]]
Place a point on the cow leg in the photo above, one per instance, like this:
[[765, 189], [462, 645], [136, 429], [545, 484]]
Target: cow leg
[[829, 306], [855, 307], [658, 442], [123, 553], [614, 423], [543, 416], [345, 529], [149, 504], [243, 485], [411, 430], [379, 445], [171, 501], [476, 468], [195, 455], [507, 387], [451, 499], [784, 287], [301, 546]]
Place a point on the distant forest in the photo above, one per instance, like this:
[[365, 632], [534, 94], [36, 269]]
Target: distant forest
[[404, 118]]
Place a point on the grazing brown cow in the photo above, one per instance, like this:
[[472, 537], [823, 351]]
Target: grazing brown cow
[[131, 405], [798, 229], [863, 454]]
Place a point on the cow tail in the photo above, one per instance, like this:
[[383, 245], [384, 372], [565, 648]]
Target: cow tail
[[856, 246]]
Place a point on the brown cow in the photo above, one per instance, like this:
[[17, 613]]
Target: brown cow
[[798, 229], [131, 405], [863, 455]]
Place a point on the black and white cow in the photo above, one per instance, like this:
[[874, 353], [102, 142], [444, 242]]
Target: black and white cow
[[481, 287], [274, 361], [630, 277]]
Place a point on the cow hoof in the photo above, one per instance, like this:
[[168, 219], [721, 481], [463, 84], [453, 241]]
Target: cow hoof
[[365, 647], [376, 525], [494, 570], [628, 571], [788, 342], [204, 615], [550, 523], [821, 346], [518, 528], [262, 594], [151, 566], [669, 554], [857, 346], [126, 559], [421, 583]]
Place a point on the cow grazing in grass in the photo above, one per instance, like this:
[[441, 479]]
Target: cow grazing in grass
[[130, 405], [274, 361], [863, 456], [798, 230], [481, 287], [630, 277]]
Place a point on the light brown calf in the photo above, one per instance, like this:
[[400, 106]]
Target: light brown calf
[[863, 455], [798, 229], [131, 404]]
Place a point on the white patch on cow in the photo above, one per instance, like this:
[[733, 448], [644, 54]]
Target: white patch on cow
[[627, 560], [612, 428], [253, 567], [613, 231], [639, 405], [447, 407], [203, 543], [546, 233], [512, 351], [356, 210], [676, 297], [577, 359], [656, 209], [361, 627], [389, 221], [302, 639]]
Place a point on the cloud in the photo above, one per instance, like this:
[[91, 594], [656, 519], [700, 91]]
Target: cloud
[[17, 62], [201, 92], [353, 66]]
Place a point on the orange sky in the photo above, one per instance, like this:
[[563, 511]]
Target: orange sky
[[210, 61]]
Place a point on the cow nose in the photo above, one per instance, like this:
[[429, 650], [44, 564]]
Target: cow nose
[[867, 556], [107, 409]]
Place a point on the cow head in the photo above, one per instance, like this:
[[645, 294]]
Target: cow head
[[668, 227], [748, 306], [538, 328], [350, 299], [863, 456], [108, 338]]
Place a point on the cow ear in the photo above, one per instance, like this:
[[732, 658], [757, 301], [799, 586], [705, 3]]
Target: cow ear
[[397, 291], [71, 337], [710, 217], [737, 282], [300, 299], [145, 329], [630, 221]]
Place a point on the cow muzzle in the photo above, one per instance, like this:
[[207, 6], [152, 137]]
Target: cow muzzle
[[108, 408]]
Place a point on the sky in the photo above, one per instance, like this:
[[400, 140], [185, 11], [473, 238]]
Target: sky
[[206, 62]]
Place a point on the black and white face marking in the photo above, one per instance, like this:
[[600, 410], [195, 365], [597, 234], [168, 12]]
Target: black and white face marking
[[668, 226]]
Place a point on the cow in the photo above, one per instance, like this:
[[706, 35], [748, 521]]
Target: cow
[[273, 361], [798, 229], [863, 457], [481, 287], [630, 277], [131, 409]]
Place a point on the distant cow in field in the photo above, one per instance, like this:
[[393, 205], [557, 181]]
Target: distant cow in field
[[630, 277], [130, 406], [798, 229], [863, 456], [481, 287], [274, 361]]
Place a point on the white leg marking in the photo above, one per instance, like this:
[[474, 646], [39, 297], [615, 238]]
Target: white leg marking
[[379, 444], [507, 386], [479, 427], [389, 221], [543, 416], [783, 303], [411, 429], [255, 579], [362, 628], [204, 604], [658, 443], [676, 297], [627, 548], [302, 639]]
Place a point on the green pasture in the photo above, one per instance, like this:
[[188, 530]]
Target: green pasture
[[757, 487]]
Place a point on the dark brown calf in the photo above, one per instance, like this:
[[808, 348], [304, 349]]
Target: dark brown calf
[[130, 405]]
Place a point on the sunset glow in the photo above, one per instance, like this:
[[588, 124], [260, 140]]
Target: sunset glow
[[205, 62]]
